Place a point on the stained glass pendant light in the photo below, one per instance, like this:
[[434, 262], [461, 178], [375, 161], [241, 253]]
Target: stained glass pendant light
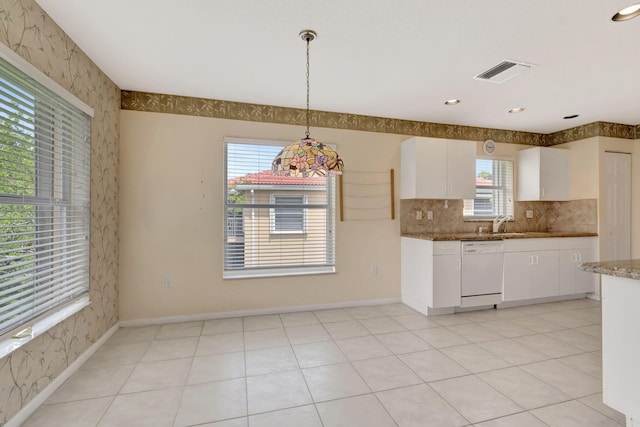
[[307, 157]]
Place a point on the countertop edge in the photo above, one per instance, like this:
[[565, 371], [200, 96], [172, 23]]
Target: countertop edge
[[497, 236], [628, 269]]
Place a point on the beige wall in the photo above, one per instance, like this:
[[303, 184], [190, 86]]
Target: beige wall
[[27, 30], [171, 175], [583, 168]]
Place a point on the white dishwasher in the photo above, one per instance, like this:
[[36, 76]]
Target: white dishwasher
[[482, 275]]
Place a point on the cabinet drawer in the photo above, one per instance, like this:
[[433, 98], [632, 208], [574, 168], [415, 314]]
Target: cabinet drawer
[[576, 242], [446, 248], [526, 245]]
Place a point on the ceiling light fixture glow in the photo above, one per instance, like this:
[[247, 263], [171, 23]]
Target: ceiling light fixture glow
[[452, 102], [516, 110], [627, 13]]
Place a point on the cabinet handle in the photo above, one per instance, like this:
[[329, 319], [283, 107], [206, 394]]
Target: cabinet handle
[[579, 257], [536, 257], [530, 259], [542, 191], [458, 264], [574, 257]]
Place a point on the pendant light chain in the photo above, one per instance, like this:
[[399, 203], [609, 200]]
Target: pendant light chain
[[307, 133]]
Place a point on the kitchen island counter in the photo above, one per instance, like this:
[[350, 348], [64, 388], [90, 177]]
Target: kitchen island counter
[[620, 325], [629, 269]]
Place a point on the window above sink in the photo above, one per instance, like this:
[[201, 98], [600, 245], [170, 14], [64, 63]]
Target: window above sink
[[494, 190]]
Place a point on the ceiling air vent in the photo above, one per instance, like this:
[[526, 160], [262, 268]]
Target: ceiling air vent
[[503, 71]]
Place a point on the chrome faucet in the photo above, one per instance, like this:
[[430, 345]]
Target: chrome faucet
[[497, 221]]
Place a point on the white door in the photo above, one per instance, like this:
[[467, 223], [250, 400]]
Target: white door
[[617, 215]]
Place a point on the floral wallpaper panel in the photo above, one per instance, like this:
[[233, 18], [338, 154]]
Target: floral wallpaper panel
[[27, 30]]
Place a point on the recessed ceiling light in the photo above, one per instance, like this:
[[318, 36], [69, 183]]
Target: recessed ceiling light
[[627, 13], [573, 116], [452, 102], [516, 110]]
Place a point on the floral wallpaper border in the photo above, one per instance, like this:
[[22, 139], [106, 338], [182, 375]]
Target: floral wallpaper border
[[185, 105]]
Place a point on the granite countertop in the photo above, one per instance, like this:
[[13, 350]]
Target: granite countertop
[[495, 236], [629, 268]]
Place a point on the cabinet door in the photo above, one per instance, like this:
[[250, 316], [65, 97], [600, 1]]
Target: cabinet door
[[529, 174], [554, 174], [415, 273], [543, 174], [446, 281], [572, 279], [461, 169], [567, 271], [518, 268], [545, 274], [585, 281], [423, 169]]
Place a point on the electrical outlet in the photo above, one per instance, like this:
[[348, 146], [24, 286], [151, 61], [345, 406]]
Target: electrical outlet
[[168, 282], [419, 215], [529, 213], [430, 215]]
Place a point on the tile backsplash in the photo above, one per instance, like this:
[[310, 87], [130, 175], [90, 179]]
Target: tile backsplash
[[578, 216]]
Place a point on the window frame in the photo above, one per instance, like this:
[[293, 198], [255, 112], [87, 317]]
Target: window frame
[[228, 256], [508, 196], [53, 117]]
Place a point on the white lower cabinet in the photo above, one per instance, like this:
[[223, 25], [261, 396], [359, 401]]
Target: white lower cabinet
[[532, 268], [573, 280], [547, 267], [517, 276], [430, 274], [545, 274], [446, 281], [529, 275]]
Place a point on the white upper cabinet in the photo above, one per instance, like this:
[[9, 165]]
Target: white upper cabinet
[[543, 174], [437, 169]]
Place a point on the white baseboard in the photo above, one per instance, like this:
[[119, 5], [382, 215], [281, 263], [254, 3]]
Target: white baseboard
[[40, 398], [510, 304], [256, 312]]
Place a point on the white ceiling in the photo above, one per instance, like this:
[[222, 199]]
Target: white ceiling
[[390, 58]]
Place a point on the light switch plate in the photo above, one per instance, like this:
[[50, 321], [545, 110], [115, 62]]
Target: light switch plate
[[529, 213]]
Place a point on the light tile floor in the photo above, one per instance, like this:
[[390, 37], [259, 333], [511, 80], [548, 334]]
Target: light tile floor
[[538, 365]]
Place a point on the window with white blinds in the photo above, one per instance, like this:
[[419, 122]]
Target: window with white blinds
[[44, 198], [494, 190], [274, 225]]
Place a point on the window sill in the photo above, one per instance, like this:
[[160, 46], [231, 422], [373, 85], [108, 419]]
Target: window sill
[[276, 272], [42, 325]]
